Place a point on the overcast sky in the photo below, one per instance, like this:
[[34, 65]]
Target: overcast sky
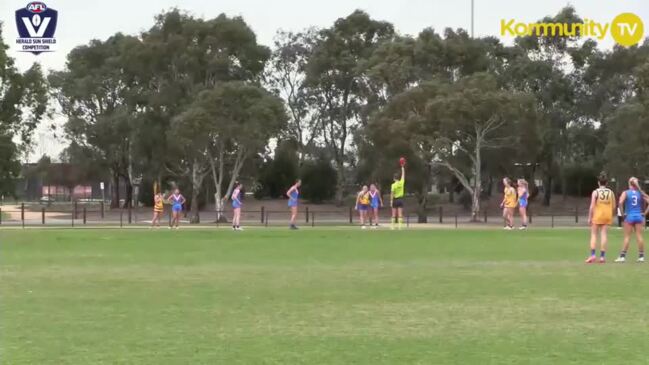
[[80, 21]]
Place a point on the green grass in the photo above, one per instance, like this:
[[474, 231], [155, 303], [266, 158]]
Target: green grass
[[316, 297]]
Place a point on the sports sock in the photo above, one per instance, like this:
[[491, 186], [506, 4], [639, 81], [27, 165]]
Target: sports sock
[[593, 252], [641, 254], [602, 254], [623, 254]]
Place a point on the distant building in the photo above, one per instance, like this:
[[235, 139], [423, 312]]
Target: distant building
[[58, 181]]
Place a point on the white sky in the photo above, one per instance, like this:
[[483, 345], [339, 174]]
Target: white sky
[[80, 21]]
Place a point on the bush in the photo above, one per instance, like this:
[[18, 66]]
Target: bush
[[319, 180]]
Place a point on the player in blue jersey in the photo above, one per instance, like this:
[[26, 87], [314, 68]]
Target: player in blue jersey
[[293, 195], [376, 202], [631, 202], [176, 200], [523, 196], [236, 206]]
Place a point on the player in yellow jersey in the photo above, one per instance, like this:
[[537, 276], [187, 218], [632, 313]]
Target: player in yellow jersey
[[509, 203], [397, 192], [363, 205], [600, 216], [158, 209]]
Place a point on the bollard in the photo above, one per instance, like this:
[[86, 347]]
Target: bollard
[[170, 217], [407, 220], [455, 220], [130, 214], [0, 215], [121, 218], [43, 215], [351, 215], [102, 209], [84, 215], [307, 214], [75, 210], [262, 214], [529, 215], [441, 215], [576, 215], [312, 219], [22, 214], [485, 216], [267, 214]]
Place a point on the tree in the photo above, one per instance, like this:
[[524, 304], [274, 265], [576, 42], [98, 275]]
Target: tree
[[93, 93], [223, 128], [23, 103], [336, 79], [285, 75]]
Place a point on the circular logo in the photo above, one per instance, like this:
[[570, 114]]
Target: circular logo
[[627, 29]]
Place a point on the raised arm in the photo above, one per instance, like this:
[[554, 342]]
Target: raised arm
[[403, 173]]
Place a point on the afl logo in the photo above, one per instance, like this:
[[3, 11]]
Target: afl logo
[[36, 7], [36, 25]]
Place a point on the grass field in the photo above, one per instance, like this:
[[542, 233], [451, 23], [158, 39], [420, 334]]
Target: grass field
[[317, 297]]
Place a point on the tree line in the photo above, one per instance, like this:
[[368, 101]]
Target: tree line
[[199, 102]]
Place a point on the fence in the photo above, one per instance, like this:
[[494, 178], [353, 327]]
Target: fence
[[97, 215]]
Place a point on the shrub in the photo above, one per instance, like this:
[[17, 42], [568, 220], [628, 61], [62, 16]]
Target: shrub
[[318, 181]]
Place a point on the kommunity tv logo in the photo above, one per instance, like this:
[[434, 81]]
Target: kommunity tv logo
[[627, 29]]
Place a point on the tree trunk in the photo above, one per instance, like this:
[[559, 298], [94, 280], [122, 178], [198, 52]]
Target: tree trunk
[[340, 184], [197, 183], [422, 200], [475, 203], [547, 190], [129, 192], [114, 191]]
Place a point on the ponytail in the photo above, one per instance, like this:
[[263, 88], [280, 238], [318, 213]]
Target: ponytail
[[633, 181]]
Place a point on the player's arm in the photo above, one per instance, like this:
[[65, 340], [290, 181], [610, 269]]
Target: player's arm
[[621, 203], [593, 201], [403, 173], [289, 191], [613, 201]]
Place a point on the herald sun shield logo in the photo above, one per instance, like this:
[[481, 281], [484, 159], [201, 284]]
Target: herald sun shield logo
[[36, 25]]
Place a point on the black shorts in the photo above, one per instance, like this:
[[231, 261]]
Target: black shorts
[[397, 203]]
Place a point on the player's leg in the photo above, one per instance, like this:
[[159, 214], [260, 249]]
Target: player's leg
[[376, 217], [603, 232], [593, 244], [400, 216], [628, 228], [523, 212], [640, 238], [293, 217]]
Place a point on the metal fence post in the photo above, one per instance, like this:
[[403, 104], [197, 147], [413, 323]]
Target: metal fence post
[[351, 215], [485, 216], [407, 220], [0, 215], [263, 211], [307, 214], [576, 214], [552, 219], [22, 214], [266, 216], [102, 209], [312, 219], [84, 215], [441, 214], [455, 220], [130, 214], [75, 210], [121, 218], [43, 215]]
